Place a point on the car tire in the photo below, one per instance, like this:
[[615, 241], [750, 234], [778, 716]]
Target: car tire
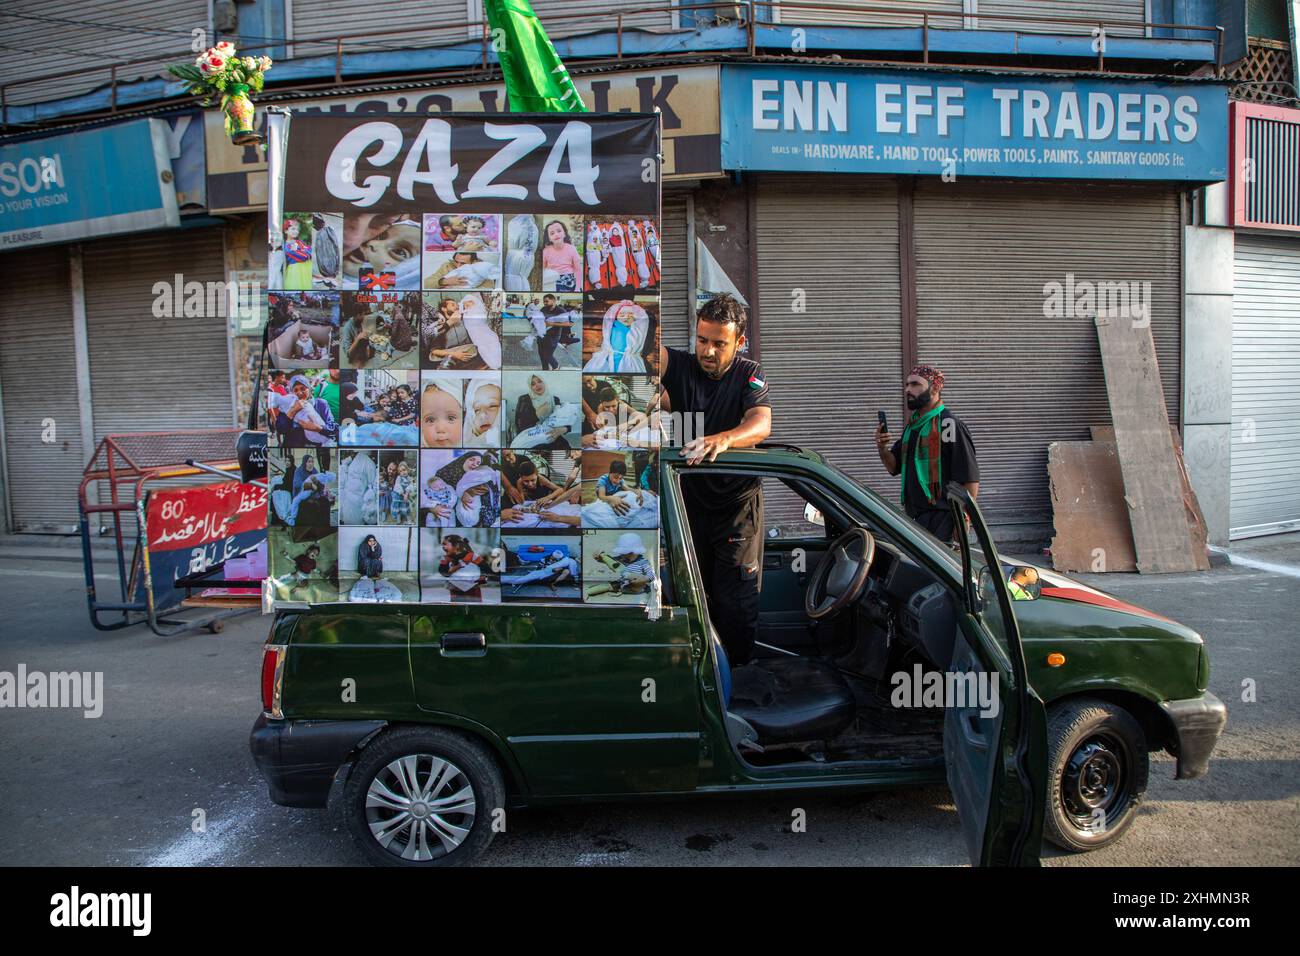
[[423, 797], [1097, 755]]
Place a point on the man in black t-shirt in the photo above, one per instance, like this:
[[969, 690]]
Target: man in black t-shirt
[[938, 450], [726, 394]]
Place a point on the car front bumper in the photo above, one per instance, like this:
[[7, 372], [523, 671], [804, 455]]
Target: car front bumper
[[1198, 723], [299, 758]]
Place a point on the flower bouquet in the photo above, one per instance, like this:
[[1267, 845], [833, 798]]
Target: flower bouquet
[[221, 77]]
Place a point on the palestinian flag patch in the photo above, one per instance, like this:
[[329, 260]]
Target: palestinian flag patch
[[756, 382]]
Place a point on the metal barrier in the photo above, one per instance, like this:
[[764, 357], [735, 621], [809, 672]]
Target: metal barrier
[[747, 13], [123, 469]]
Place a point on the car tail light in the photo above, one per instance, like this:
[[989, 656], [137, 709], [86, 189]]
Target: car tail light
[[272, 679]]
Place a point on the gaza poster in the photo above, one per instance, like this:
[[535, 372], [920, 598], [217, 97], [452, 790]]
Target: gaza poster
[[463, 333]]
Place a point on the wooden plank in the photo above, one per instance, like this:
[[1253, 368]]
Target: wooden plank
[[1152, 483], [1088, 510], [1196, 525]]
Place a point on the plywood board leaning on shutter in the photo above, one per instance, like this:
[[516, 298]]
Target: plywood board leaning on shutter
[[1196, 525], [1088, 510], [1152, 483]]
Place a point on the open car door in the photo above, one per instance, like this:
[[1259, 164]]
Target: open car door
[[994, 740]]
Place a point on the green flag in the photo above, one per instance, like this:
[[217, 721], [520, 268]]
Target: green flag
[[537, 80]]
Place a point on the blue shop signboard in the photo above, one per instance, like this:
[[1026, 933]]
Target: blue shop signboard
[[830, 119], [93, 183]]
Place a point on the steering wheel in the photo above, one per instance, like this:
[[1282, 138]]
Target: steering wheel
[[842, 574]]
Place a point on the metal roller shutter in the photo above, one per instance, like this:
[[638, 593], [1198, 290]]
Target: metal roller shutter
[[674, 291], [146, 373], [316, 19], [1265, 387], [830, 367], [1122, 17], [1020, 380], [588, 16], [38, 381], [791, 14], [49, 40]]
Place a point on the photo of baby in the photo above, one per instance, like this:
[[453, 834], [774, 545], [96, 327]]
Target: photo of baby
[[542, 331], [303, 329], [442, 408], [616, 490], [541, 567], [462, 232], [461, 331], [619, 567], [306, 252], [302, 564], [379, 408], [398, 474], [544, 253], [381, 254], [462, 270], [379, 565], [541, 489], [380, 330], [460, 488], [303, 488], [621, 336], [298, 411], [622, 255], [482, 412], [460, 566], [620, 411], [358, 487], [542, 410]]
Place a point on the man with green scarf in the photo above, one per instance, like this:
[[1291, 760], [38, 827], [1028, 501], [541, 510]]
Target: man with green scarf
[[936, 448]]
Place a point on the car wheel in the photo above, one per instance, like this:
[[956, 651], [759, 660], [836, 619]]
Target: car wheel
[[423, 797], [1097, 754]]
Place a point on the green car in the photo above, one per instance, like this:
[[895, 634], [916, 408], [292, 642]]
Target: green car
[[886, 659]]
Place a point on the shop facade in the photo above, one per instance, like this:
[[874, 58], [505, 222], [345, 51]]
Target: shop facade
[[1264, 496], [101, 216], [921, 217], [90, 345], [868, 224]]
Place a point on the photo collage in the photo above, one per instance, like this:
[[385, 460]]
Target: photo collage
[[463, 407]]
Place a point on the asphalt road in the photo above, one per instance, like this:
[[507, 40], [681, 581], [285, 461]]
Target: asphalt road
[[122, 789]]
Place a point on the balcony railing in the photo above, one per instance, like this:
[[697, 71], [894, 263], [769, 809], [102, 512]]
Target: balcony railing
[[752, 17]]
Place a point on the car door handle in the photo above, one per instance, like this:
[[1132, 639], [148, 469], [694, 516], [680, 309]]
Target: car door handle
[[771, 561], [970, 726], [464, 641]]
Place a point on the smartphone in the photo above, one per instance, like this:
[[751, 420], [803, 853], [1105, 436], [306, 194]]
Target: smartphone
[[880, 416]]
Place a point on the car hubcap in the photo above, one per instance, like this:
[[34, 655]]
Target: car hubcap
[[420, 807], [1095, 779]]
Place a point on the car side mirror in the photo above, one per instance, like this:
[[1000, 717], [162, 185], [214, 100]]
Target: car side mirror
[[813, 516]]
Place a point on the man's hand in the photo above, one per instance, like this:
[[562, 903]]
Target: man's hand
[[620, 506], [884, 440], [706, 448]]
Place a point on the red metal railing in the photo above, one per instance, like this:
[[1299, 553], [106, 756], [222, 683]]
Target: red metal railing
[[747, 13]]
